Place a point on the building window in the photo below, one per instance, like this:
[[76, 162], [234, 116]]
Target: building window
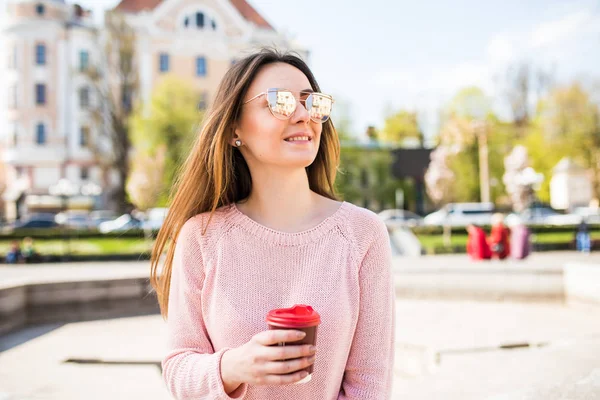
[[40, 94], [84, 60], [12, 96], [203, 101], [84, 97], [164, 62], [40, 54], [40, 133], [84, 136], [85, 173], [200, 20], [200, 66], [40, 9], [213, 24], [186, 22]]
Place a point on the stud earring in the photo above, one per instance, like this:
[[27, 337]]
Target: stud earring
[[238, 143]]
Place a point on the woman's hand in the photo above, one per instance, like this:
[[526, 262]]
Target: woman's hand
[[259, 363]]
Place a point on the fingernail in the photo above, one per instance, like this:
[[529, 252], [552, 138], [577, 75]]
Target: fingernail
[[300, 335], [312, 359], [304, 374], [312, 349]]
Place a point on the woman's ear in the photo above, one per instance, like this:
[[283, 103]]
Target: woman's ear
[[235, 136]]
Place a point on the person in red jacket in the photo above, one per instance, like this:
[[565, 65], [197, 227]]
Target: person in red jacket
[[477, 245], [500, 237]]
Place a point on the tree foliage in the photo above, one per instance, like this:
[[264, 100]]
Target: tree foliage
[[168, 122], [402, 128]]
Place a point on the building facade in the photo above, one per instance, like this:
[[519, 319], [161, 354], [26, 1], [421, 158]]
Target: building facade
[[48, 119]]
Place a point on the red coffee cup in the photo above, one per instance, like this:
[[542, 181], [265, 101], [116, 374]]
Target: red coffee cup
[[300, 317]]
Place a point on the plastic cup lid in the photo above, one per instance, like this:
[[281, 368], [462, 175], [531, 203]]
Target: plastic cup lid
[[300, 315]]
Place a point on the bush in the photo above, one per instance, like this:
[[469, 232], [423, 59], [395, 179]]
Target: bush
[[59, 233], [439, 230]]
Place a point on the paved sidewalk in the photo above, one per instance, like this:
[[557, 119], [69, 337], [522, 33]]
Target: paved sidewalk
[[447, 350], [568, 365]]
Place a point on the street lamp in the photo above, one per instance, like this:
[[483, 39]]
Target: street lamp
[[480, 130], [65, 189]]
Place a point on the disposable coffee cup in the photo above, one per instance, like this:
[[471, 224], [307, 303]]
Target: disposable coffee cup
[[300, 317]]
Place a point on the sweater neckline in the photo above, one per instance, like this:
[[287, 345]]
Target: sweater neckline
[[287, 238]]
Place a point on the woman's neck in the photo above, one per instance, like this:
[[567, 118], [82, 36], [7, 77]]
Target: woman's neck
[[282, 201]]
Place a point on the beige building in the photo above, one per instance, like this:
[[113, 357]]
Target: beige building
[[47, 125], [197, 40]]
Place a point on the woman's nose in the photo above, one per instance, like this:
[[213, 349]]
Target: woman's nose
[[301, 113]]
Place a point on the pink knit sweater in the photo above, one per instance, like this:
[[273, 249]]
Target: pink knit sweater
[[224, 282]]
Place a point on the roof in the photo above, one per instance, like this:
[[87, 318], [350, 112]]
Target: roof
[[250, 13], [244, 8], [135, 6]]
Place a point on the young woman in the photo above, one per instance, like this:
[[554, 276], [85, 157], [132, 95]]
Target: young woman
[[255, 225]]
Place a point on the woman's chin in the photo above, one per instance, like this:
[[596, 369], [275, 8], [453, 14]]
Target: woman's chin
[[298, 162]]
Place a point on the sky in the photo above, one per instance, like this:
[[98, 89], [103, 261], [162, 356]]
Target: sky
[[415, 55]]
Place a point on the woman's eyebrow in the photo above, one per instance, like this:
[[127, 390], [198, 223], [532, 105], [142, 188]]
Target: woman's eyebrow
[[307, 91]]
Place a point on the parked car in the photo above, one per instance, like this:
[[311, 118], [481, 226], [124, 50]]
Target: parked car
[[591, 215], [122, 224], [33, 221], [542, 214], [73, 219], [154, 218], [461, 214], [99, 216], [395, 218]]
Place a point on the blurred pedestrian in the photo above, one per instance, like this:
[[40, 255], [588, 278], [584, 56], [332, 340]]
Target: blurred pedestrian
[[583, 241], [477, 245], [29, 254], [14, 255], [520, 240], [499, 237]]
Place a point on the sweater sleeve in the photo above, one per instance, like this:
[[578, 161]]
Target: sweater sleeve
[[191, 369], [369, 369]]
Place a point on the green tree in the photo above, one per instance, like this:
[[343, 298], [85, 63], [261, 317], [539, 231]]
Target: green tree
[[467, 117], [470, 103], [170, 121], [401, 128], [570, 121], [365, 176]]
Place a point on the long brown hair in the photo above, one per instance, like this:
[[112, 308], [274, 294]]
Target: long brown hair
[[215, 173]]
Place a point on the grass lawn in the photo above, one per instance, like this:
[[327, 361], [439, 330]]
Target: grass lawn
[[100, 246], [87, 246], [430, 241]]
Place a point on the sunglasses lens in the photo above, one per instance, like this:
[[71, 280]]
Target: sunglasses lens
[[282, 103], [319, 107]]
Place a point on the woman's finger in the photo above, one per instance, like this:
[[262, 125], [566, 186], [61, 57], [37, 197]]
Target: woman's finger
[[287, 367], [268, 338]]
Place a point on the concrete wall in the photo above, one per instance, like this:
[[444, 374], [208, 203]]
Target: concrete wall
[[37, 303], [486, 284]]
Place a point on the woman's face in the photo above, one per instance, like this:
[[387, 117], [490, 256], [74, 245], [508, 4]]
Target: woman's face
[[264, 136]]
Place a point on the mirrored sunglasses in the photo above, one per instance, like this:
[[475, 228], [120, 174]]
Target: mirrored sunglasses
[[283, 103]]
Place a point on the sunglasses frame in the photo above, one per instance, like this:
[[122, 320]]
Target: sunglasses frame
[[270, 90]]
